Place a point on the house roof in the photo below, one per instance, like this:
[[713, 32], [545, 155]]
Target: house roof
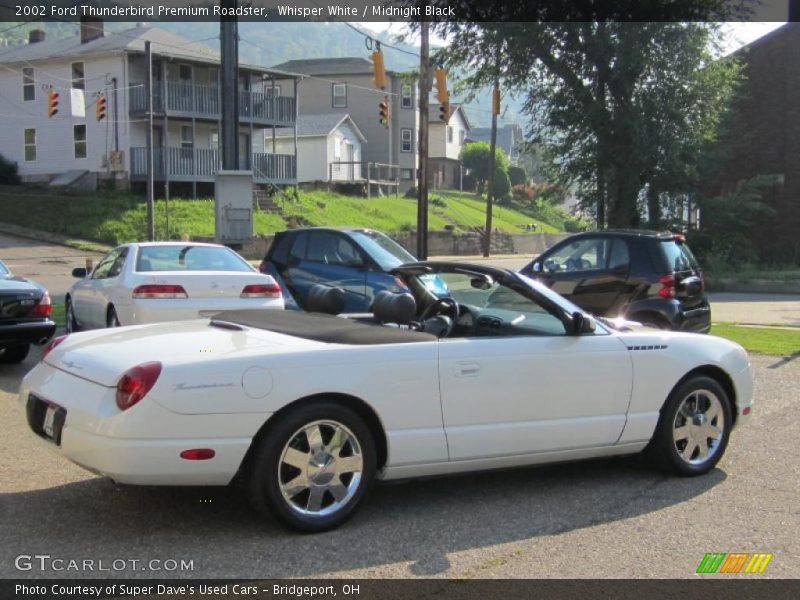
[[320, 126], [433, 114], [162, 43], [328, 66]]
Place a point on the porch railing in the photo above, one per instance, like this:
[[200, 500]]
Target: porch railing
[[189, 164], [204, 101]]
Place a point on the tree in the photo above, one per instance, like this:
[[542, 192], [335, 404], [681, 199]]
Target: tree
[[518, 175], [502, 183], [475, 158], [602, 95]]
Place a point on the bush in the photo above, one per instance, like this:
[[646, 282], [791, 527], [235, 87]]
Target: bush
[[437, 201], [411, 192], [523, 192], [8, 172], [502, 184], [518, 175]]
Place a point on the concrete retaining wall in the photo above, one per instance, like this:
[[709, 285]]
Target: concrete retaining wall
[[440, 243]]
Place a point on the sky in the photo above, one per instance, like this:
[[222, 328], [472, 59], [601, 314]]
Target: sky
[[738, 34]]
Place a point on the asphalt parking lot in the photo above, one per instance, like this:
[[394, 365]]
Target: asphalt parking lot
[[609, 518]]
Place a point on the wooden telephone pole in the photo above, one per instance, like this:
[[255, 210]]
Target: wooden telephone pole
[[422, 186]]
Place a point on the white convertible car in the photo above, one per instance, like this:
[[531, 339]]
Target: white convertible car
[[306, 409]]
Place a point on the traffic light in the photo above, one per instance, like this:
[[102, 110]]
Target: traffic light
[[442, 95], [52, 103], [441, 85], [444, 111], [383, 112], [100, 107], [496, 101], [380, 69]]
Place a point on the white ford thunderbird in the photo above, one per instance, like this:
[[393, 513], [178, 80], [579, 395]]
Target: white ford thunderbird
[[306, 409]]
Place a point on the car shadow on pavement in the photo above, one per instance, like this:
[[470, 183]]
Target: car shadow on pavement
[[417, 522]]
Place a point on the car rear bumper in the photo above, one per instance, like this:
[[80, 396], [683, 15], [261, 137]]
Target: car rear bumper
[[140, 446], [36, 332], [697, 320]]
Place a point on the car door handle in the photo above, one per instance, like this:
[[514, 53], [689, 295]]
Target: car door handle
[[466, 369]]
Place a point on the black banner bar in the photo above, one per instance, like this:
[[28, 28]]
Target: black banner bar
[[720, 587]]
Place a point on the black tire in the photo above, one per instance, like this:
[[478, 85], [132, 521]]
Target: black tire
[[71, 324], [14, 354], [112, 320], [668, 450], [267, 471]]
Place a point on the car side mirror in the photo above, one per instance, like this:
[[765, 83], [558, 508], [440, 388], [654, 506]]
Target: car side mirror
[[582, 323], [79, 272]]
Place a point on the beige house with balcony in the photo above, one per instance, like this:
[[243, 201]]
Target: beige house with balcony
[[186, 111]]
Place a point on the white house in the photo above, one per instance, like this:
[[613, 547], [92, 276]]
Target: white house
[[445, 141], [186, 109], [328, 147]]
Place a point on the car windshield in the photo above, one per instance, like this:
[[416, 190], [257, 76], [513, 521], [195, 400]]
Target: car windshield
[[189, 258], [383, 250], [486, 297]]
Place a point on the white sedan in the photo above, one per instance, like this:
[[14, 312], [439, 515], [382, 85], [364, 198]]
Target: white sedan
[[166, 281], [306, 409]]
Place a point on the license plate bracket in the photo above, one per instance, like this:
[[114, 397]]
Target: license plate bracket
[[46, 419]]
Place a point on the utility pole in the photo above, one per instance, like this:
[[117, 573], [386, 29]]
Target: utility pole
[[229, 46], [151, 228], [487, 236], [422, 148]]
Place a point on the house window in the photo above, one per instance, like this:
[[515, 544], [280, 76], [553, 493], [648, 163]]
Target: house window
[[462, 135], [28, 84], [339, 95], [78, 82], [187, 142], [79, 140], [213, 141], [30, 145], [406, 96], [272, 90], [185, 73], [406, 174], [406, 140], [337, 148], [449, 134]]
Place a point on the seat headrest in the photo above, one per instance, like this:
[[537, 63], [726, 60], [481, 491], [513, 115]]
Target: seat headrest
[[394, 308], [325, 299]]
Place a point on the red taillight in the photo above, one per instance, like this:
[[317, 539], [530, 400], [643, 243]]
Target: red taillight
[[679, 237], [52, 344], [262, 290], [136, 382], [198, 454], [160, 291], [667, 286], [44, 308]]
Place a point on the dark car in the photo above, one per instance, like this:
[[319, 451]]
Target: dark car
[[645, 276], [357, 260], [25, 310]]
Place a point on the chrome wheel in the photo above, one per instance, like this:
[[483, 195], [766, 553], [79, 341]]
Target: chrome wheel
[[320, 468], [699, 427]]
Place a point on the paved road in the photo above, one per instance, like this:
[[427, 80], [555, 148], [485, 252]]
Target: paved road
[[609, 518], [49, 264]]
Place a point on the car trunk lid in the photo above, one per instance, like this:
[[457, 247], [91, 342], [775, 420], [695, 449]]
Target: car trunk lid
[[17, 299], [688, 277], [208, 284], [103, 356]]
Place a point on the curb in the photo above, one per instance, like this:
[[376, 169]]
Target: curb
[[53, 238]]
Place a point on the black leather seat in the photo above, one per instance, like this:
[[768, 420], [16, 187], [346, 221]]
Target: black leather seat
[[325, 299], [400, 309]]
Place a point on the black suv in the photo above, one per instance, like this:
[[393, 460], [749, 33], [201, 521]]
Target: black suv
[[645, 276]]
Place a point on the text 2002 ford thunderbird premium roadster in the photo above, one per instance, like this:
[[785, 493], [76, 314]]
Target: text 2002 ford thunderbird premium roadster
[[308, 408]]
